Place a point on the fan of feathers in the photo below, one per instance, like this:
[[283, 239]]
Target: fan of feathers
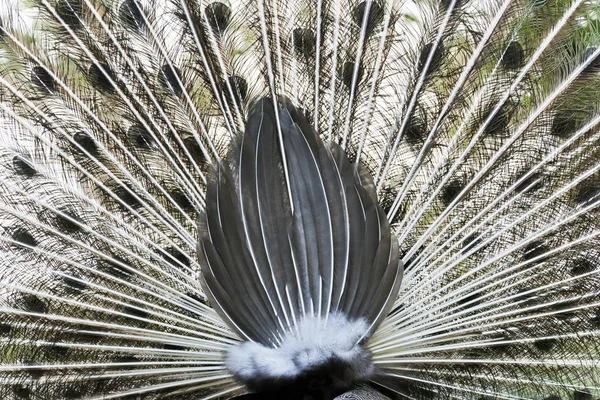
[[475, 128]]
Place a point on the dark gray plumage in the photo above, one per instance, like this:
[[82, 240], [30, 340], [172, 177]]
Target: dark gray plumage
[[294, 247], [324, 144]]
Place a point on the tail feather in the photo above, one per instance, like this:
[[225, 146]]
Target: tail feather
[[472, 125]]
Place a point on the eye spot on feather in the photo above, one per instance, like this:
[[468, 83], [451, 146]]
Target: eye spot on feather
[[140, 137], [35, 373], [535, 249], [176, 257], [68, 222], [373, 18], [173, 347], [499, 122], [470, 301], [22, 236], [22, 392], [594, 65], [346, 74], [115, 268], [5, 330], [388, 195], [182, 200], [514, 56], [471, 241], [564, 309], [528, 184], [193, 147], [130, 14], [135, 312], [218, 15], [545, 345], [55, 352], [451, 191], [582, 266], [70, 11], [305, 42], [436, 60], [168, 77], [564, 124], [74, 284], [239, 87], [42, 79], [415, 131], [86, 142], [98, 78], [553, 397], [587, 190], [130, 360], [31, 303], [411, 262], [196, 298], [22, 167], [595, 321], [73, 393], [582, 395], [126, 195]]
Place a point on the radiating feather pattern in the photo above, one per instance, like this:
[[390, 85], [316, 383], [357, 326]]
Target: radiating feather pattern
[[477, 122]]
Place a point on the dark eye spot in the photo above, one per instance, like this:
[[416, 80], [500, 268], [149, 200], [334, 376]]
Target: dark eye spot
[[31, 303], [527, 182], [68, 222], [582, 395], [373, 18], [23, 167], [514, 56], [582, 266], [565, 124], [22, 236], [239, 86], [140, 137], [99, 80], [126, 195], [436, 60], [70, 11], [135, 312], [305, 41], [36, 373], [534, 249], [594, 65], [218, 16], [131, 15], [74, 284], [169, 78], [451, 191], [42, 79], [176, 257], [347, 73], [545, 344], [22, 392], [194, 149], [86, 142]]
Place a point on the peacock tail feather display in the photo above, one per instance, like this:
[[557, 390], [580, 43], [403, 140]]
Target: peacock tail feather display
[[201, 199]]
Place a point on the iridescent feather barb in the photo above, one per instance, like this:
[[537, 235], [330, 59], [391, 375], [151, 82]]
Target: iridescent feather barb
[[268, 135]]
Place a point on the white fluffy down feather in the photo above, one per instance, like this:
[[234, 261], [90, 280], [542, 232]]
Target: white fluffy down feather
[[310, 346]]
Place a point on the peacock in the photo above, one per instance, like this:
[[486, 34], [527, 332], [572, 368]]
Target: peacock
[[310, 199]]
